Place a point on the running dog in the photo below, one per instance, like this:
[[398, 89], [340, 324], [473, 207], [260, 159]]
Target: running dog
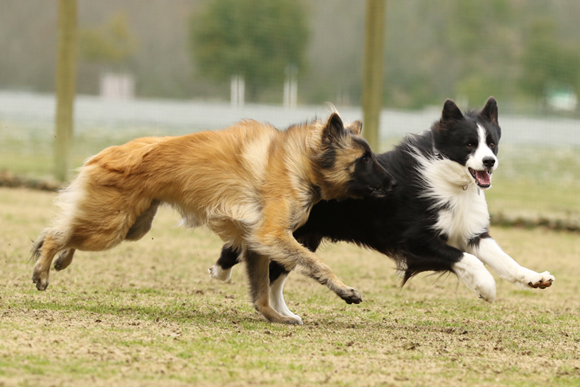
[[251, 184], [435, 219]]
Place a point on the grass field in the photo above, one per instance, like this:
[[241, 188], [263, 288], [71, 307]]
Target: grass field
[[147, 314], [532, 183]]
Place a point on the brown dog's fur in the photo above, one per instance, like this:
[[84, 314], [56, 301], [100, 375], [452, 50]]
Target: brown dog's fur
[[251, 184]]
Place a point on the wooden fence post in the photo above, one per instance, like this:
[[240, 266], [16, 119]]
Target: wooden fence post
[[65, 86], [372, 98]]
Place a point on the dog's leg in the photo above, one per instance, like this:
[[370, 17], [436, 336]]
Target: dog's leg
[[277, 297], [436, 255], [230, 256], [489, 252], [143, 223], [222, 270], [64, 259], [257, 266], [284, 249], [46, 249], [278, 276], [471, 271]]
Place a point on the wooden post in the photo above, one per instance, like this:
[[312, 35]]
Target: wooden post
[[65, 85], [372, 98]]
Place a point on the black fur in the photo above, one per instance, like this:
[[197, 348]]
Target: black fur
[[400, 225]]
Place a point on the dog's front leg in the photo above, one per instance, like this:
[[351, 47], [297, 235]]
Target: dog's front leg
[[257, 266], [436, 255], [489, 252], [281, 247]]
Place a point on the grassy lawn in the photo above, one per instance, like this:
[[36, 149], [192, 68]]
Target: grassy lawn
[[532, 183], [147, 314]]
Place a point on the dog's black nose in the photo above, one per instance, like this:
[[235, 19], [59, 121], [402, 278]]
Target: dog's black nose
[[489, 162]]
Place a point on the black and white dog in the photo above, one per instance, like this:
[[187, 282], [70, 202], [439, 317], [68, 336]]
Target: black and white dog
[[435, 219]]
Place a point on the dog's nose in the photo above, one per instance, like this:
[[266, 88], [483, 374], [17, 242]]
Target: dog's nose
[[489, 162]]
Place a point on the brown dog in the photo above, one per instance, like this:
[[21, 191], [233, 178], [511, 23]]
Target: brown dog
[[251, 184]]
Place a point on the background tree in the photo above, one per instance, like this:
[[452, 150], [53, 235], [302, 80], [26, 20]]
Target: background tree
[[256, 39], [548, 64], [111, 43]]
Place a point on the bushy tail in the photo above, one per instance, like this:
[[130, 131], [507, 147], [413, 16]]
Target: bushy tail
[[36, 247]]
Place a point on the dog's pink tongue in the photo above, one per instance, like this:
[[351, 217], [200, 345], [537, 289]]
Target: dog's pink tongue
[[483, 177]]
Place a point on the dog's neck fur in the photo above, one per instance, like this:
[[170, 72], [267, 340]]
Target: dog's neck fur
[[322, 182], [460, 204]]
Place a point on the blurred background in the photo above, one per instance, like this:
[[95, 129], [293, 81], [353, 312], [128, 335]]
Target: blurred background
[[170, 67]]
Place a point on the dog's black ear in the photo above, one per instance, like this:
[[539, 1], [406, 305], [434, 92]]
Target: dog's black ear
[[334, 128], [450, 111], [489, 111], [356, 127]]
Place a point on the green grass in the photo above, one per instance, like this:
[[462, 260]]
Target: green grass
[[532, 183], [147, 314]]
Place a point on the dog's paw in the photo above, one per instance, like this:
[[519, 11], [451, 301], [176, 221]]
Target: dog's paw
[[218, 273], [64, 260], [40, 279], [540, 280], [350, 295], [292, 320]]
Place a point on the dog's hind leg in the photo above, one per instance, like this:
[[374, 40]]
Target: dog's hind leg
[[64, 259], [257, 266], [278, 276], [222, 270], [45, 249], [436, 255], [277, 296]]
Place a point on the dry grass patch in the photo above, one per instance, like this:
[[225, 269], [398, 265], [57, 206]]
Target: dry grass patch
[[146, 313]]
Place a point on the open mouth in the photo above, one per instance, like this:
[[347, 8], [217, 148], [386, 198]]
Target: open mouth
[[482, 178]]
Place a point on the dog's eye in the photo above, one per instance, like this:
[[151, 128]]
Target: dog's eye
[[365, 159], [469, 146], [492, 145]]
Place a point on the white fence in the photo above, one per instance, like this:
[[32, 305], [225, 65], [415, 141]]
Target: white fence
[[29, 110]]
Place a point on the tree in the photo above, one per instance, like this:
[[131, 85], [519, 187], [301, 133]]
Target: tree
[[549, 64], [255, 39], [111, 43]]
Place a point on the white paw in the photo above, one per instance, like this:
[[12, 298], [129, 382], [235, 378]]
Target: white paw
[[218, 273], [296, 320], [287, 313], [473, 273], [538, 280]]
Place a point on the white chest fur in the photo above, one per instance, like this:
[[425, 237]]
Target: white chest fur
[[463, 213], [465, 217]]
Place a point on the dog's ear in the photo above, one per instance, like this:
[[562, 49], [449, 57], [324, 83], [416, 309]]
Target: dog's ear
[[489, 111], [334, 128], [356, 127], [450, 111]]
